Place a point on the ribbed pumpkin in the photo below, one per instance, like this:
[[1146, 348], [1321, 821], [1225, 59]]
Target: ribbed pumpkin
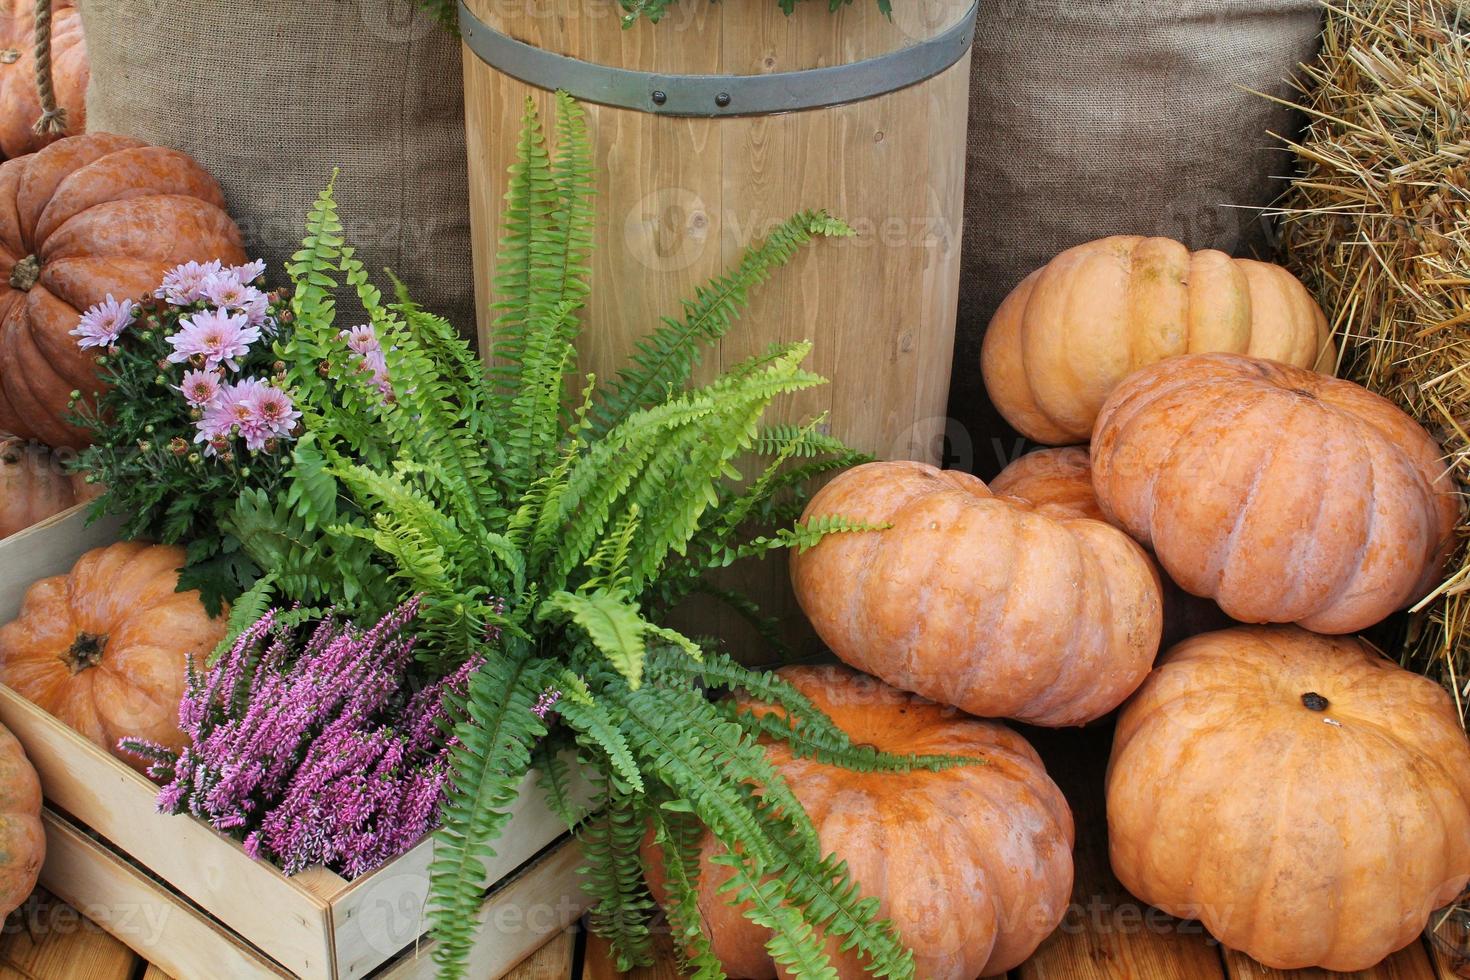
[[1096, 313], [973, 865], [1284, 495], [1059, 482], [33, 485], [103, 648], [1306, 799], [982, 602], [20, 106], [87, 216], [22, 838]]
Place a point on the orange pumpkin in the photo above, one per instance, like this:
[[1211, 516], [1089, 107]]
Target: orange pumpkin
[[89, 216], [1059, 482], [1284, 495], [22, 838], [104, 647], [1064, 338], [33, 485], [973, 865], [20, 106], [979, 601], [1306, 799]]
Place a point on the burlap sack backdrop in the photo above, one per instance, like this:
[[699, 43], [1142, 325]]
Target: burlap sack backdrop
[[1092, 118], [272, 94]]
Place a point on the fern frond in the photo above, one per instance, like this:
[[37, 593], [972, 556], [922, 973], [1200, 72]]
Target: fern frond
[[597, 730], [611, 621], [678, 837], [494, 752], [613, 875], [664, 360]]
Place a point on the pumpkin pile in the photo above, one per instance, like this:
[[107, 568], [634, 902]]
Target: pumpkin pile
[[1229, 479]]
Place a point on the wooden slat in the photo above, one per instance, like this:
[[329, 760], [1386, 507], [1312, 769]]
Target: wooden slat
[[516, 920], [598, 965], [1108, 934], [551, 962], [1448, 944], [1411, 963], [49, 938], [139, 912]]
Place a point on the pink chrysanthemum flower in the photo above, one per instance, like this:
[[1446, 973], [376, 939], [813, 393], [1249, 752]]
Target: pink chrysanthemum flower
[[200, 388], [272, 416], [225, 290], [229, 415], [257, 308], [102, 324], [184, 284], [214, 336], [250, 271], [362, 339]]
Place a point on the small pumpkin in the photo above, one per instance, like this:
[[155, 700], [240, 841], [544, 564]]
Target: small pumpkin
[[86, 217], [33, 485], [1283, 494], [1303, 797], [972, 865], [20, 105], [104, 647], [1064, 338], [982, 602], [1059, 482], [22, 838]]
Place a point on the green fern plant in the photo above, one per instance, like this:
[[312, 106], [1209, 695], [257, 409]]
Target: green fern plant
[[550, 536]]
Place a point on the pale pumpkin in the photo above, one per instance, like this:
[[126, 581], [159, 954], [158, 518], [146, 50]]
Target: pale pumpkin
[[20, 105], [1283, 494], [22, 838], [973, 865], [33, 485], [89, 216], [1059, 482], [1303, 797], [1064, 338], [104, 647], [982, 602]]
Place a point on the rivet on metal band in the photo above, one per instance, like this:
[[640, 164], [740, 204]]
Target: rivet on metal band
[[718, 95]]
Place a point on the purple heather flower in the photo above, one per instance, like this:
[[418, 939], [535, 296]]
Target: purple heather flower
[[307, 751], [545, 703], [214, 336], [200, 388], [184, 284], [103, 323]]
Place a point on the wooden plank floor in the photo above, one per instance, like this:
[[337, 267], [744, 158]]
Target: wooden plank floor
[[1107, 935]]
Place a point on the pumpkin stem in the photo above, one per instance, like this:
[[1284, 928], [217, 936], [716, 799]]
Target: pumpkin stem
[[25, 273], [85, 651], [1315, 701]]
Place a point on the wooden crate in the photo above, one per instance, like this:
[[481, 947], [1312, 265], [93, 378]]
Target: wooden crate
[[194, 903]]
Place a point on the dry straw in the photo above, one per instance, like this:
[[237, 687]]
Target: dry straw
[[1378, 224]]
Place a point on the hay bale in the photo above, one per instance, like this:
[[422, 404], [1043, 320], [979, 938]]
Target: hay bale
[[1378, 224]]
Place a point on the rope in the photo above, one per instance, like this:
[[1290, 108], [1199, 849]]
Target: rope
[[53, 116]]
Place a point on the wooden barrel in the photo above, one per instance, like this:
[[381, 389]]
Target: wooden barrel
[[716, 123], [679, 196]]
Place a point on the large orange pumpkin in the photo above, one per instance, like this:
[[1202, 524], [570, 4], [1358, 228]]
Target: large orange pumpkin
[[20, 106], [104, 647], [973, 865], [22, 838], [1306, 799], [33, 485], [1059, 482], [1076, 327], [87, 216], [979, 601], [1283, 494]]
